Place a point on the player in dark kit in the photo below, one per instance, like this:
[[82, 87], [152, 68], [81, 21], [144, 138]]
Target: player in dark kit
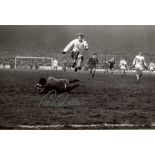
[[92, 64], [111, 63]]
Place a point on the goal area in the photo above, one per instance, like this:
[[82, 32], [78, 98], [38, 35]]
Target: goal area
[[33, 62]]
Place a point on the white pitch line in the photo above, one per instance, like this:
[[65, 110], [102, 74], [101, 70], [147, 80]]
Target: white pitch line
[[83, 125], [41, 126]]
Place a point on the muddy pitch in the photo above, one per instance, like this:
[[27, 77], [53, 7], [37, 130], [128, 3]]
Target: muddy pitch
[[106, 102]]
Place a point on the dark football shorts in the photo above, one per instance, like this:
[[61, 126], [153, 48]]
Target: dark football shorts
[[74, 55], [111, 67]]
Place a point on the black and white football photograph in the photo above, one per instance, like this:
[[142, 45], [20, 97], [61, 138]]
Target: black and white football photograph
[[77, 77]]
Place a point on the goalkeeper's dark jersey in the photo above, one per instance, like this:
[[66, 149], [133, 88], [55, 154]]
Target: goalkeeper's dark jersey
[[93, 62]]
